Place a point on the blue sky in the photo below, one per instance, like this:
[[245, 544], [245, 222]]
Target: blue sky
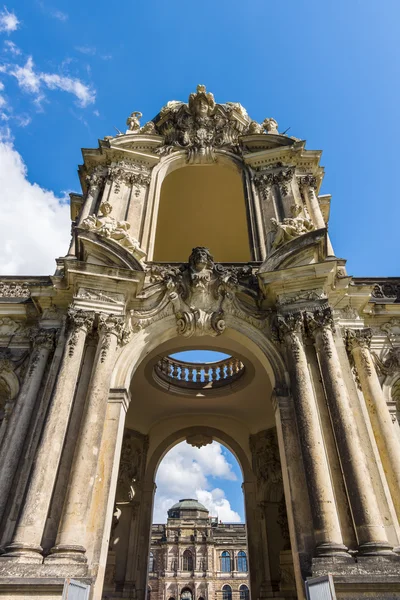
[[70, 71], [327, 70]]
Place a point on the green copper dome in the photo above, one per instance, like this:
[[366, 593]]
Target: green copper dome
[[186, 504]]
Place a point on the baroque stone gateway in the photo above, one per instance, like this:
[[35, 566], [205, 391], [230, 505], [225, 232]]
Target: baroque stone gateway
[[201, 229]]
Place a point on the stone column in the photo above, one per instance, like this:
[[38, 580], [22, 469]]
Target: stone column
[[25, 546], [307, 186], [326, 525], [102, 505], [72, 529], [387, 440], [95, 180], [18, 425], [367, 518]]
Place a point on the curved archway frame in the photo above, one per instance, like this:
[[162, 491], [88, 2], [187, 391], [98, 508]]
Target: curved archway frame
[[142, 344], [178, 160]]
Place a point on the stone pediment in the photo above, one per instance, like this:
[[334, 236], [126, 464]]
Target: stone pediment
[[94, 248]]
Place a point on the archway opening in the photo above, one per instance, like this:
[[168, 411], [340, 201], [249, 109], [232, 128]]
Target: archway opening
[[239, 418], [199, 533], [202, 205]]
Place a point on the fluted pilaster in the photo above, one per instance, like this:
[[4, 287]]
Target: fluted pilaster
[[71, 539], [25, 546], [367, 517], [358, 345], [328, 537]]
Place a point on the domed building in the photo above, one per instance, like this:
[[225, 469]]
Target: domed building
[[196, 557]]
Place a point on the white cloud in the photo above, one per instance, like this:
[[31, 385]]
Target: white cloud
[[218, 505], [59, 15], [85, 94], [35, 223], [9, 46], [8, 21], [28, 80], [89, 50], [3, 101], [31, 81], [187, 472]]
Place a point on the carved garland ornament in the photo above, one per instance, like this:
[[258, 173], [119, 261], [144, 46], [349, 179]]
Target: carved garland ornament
[[111, 325], [320, 321], [359, 338]]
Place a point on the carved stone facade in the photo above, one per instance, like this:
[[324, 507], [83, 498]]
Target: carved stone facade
[[308, 399], [197, 556]]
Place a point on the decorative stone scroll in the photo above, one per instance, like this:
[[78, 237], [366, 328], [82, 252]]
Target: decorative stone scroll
[[387, 291], [108, 227], [200, 294]]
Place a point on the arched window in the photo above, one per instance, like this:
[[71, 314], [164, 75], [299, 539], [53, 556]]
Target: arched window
[[186, 593], [242, 562], [226, 562], [244, 592], [151, 562], [227, 592], [187, 563]]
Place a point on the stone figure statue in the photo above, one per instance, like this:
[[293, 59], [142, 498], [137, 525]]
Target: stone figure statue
[[270, 126], [289, 229], [202, 103], [108, 227], [254, 128], [133, 122]]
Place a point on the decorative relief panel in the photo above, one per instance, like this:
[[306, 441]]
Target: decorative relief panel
[[200, 294], [132, 465]]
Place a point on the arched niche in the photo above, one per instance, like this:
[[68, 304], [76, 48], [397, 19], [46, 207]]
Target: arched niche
[[202, 205]]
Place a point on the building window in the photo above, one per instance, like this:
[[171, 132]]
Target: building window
[[227, 592], [242, 562], [244, 592], [187, 561], [151, 562], [186, 593], [226, 562]]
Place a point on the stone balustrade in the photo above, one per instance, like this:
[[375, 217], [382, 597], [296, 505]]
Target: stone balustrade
[[199, 375]]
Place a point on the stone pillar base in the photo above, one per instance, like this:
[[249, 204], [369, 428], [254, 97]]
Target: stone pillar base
[[375, 549], [332, 549], [24, 553], [376, 569], [66, 554]]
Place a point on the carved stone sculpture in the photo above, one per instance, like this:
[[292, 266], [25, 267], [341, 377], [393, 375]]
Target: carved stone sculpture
[[108, 227], [133, 461], [270, 126], [289, 229], [199, 294], [266, 464], [133, 122]]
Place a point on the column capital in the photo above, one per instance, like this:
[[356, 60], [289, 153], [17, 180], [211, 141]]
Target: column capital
[[109, 325], [358, 338], [308, 181], [78, 320], [289, 330], [319, 318], [45, 338]]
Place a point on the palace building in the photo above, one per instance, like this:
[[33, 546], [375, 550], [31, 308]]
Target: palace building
[[200, 229], [194, 556]]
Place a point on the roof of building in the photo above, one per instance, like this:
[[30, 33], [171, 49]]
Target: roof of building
[[188, 504]]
